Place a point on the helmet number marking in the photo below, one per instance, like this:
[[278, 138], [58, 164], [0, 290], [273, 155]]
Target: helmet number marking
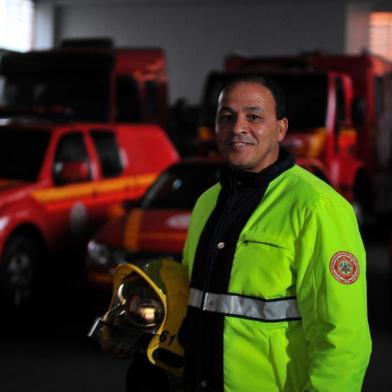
[[165, 336]]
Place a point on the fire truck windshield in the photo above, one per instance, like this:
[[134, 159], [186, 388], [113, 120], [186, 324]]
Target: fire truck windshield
[[76, 96], [181, 185], [306, 98], [56, 84], [22, 153]]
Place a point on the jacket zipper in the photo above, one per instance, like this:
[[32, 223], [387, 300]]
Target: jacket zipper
[[211, 255]]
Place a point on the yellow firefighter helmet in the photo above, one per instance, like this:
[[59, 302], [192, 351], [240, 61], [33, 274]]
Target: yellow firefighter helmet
[[146, 312]]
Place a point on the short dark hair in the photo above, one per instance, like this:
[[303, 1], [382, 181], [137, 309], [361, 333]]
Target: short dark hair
[[271, 85]]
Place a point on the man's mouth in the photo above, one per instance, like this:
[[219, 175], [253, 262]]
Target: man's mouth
[[239, 142]]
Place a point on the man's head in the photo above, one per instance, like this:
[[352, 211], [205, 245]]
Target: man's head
[[250, 123]]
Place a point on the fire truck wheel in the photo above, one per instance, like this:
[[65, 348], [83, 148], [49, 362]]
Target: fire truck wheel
[[19, 271]]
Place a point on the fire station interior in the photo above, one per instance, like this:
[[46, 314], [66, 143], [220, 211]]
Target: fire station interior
[[336, 58]]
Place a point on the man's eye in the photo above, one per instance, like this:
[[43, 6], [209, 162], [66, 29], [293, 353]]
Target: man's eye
[[254, 117], [225, 117]]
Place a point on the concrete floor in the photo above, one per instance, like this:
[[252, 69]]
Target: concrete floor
[[52, 354]]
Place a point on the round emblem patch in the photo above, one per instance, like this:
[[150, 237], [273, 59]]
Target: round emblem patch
[[344, 267]]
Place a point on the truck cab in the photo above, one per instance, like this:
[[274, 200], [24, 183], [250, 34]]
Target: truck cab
[[58, 185], [86, 83]]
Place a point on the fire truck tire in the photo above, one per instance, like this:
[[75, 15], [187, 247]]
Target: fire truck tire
[[19, 271]]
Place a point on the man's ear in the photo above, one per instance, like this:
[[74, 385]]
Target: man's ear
[[283, 124]]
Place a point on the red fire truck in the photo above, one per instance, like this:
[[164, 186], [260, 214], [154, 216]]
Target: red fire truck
[[86, 80], [69, 156], [340, 122]]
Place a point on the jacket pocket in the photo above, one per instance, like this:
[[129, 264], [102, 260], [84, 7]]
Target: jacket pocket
[[268, 269]]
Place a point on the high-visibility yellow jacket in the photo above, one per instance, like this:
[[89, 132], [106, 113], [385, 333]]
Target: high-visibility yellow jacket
[[300, 248]]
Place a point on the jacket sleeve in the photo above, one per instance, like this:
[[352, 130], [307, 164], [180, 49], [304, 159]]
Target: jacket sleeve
[[331, 294]]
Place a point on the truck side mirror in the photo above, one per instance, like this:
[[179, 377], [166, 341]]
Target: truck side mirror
[[358, 110], [72, 172]]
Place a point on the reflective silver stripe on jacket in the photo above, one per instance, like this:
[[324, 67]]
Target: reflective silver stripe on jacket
[[241, 306]]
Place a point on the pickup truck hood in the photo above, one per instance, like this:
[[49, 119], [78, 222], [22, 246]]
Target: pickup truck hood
[[12, 191], [159, 231], [147, 231], [112, 233]]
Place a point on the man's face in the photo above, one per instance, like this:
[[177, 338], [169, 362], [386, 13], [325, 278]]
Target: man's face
[[248, 132]]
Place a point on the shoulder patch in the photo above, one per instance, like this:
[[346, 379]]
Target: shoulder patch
[[344, 267]]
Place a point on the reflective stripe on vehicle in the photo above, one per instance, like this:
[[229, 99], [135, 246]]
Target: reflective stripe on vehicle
[[246, 307], [136, 184]]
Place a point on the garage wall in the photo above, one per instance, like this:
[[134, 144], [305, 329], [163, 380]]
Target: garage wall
[[197, 35], [357, 27]]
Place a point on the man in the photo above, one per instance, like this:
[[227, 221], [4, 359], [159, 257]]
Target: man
[[276, 265]]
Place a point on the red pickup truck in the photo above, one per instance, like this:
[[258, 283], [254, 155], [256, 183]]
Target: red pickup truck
[[156, 227], [58, 184]]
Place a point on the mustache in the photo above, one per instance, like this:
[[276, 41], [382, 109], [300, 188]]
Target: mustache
[[238, 139]]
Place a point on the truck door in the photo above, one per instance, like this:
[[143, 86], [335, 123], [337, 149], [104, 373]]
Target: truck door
[[345, 136], [112, 188], [72, 196]]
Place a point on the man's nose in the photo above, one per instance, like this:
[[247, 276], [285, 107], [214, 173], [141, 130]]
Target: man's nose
[[239, 125]]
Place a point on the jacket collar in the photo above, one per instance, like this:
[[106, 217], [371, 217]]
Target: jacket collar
[[236, 178]]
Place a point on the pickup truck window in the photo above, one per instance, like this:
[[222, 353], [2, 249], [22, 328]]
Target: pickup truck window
[[180, 186], [71, 148], [22, 153], [81, 97], [108, 151]]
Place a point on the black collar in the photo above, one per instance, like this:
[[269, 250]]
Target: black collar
[[233, 178]]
